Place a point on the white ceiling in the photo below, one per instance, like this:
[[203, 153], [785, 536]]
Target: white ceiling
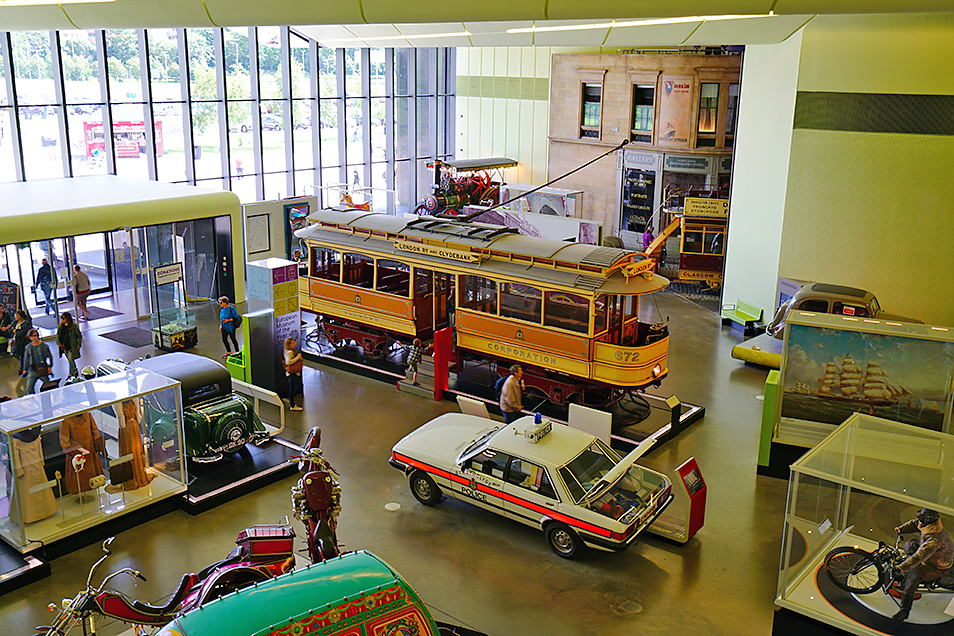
[[384, 23]]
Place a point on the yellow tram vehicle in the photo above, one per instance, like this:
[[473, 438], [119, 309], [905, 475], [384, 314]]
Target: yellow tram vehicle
[[568, 312]]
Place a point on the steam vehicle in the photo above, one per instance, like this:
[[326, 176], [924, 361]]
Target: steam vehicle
[[568, 312], [464, 182]]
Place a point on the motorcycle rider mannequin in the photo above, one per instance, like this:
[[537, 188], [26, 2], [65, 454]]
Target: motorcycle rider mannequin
[[931, 555]]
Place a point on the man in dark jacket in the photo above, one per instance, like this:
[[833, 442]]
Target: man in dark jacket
[[44, 279], [931, 555]]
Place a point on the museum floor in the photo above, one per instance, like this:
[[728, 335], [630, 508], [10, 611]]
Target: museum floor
[[470, 566]]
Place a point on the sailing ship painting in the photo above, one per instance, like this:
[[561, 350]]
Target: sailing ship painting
[[829, 374]]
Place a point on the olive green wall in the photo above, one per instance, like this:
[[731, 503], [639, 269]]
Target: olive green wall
[[868, 155], [867, 203]]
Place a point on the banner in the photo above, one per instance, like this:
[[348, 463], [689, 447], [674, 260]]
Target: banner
[[674, 111]]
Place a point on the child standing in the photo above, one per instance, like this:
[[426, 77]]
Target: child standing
[[415, 353]]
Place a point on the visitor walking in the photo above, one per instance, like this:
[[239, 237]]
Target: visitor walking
[[229, 321], [69, 339], [81, 282], [44, 279], [293, 367]]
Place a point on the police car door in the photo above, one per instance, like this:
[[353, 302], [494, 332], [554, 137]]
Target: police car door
[[529, 492], [485, 475]]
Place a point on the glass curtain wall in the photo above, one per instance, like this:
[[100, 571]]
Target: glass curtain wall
[[262, 111]]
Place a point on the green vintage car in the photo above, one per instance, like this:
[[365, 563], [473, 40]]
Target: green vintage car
[[356, 594], [216, 419]]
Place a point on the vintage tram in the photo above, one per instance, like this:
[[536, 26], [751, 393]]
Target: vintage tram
[[568, 312]]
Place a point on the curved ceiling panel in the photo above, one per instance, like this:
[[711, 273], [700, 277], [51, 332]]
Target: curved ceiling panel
[[40, 18], [627, 9], [283, 12], [661, 35], [138, 14], [752, 31], [805, 7], [391, 11]]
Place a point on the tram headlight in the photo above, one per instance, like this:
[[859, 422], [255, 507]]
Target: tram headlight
[[657, 371]]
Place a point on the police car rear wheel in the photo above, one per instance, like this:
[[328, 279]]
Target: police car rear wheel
[[424, 489], [563, 540]]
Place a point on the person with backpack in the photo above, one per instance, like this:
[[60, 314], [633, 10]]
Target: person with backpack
[[229, 322], [69, 339], [511, 398], [37, 361]]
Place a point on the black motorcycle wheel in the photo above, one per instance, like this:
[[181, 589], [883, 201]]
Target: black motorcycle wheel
[[854, 570]]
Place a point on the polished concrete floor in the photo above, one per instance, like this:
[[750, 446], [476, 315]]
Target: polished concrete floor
[[470, 566]]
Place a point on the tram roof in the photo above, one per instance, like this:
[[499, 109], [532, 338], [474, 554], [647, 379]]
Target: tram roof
[[577, 253], [474, 234]]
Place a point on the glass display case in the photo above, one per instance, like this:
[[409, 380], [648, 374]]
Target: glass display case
[[173, 324], [849, 493], [77, 455]]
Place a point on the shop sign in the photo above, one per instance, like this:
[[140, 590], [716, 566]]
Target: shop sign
[[707, 207], [167, 274], [641, 159], [440, 252], [639, 197], [684, 163]]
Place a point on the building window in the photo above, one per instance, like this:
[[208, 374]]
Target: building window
[[644, 97], [731, 115], [590, 122], [708, 111]]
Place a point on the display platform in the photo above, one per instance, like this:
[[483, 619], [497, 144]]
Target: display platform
[[635, 418], [250, 468], [17, 570]]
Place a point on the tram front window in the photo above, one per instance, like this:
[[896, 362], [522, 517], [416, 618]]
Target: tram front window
[[325, 263]]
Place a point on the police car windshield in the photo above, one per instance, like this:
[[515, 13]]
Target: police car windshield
[[582, 472], [478, 443]]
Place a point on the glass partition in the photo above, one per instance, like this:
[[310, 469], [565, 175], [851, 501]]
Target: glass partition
[[79, 454]]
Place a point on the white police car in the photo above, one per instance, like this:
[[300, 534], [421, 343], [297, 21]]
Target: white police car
[[567, 483]]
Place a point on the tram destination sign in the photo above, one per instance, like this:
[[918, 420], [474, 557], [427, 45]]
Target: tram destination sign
[[440, 252], [707, 207]]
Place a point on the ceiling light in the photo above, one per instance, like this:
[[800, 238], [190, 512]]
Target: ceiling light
[[458, 34], [636, 23], [27, 3]]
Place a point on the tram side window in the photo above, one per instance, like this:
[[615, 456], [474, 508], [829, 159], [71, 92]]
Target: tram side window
[[478, 293], [358, 270], [423, 282], [566, 311], [522, 302], [325, 263], [394, 277]]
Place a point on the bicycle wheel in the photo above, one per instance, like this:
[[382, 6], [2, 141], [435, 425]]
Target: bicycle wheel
[[854, 570]]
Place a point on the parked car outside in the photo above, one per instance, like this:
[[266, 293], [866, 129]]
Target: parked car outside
[[271, 122], [823, 298], [561, 480]]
